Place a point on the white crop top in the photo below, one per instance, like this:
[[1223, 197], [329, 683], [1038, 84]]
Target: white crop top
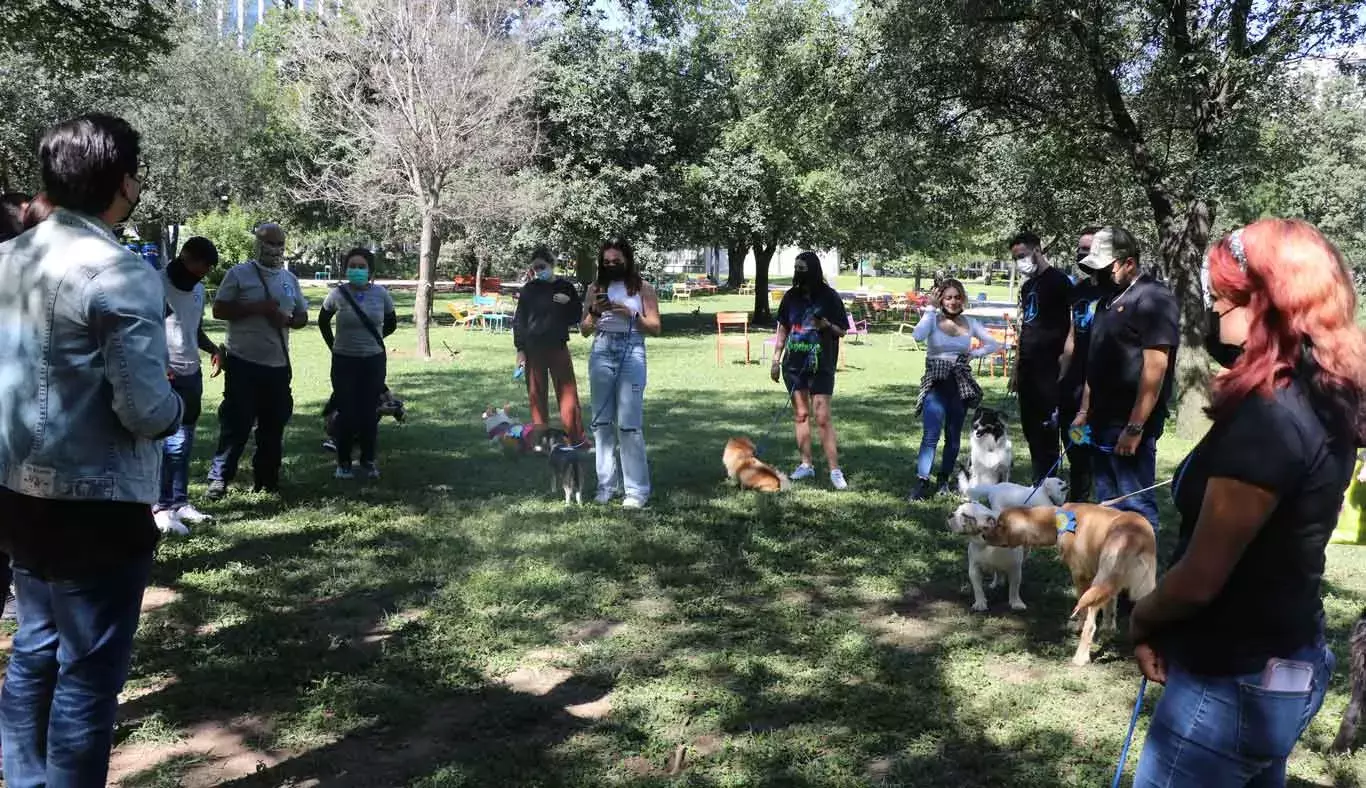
[[941, 345], [613, 323]]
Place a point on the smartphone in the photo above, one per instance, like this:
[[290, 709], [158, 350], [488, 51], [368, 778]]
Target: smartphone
[[602, 297], [1287, 675]]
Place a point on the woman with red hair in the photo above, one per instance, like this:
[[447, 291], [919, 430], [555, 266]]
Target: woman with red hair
[[1235, 628]]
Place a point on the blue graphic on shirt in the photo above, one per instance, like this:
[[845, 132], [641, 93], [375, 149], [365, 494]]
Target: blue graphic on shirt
[[1084, 314], [1031, 308]]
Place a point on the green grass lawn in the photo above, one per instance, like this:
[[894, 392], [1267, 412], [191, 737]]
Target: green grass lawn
[[454, 625]]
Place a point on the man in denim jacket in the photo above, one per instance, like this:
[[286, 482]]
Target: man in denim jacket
[[84, 400]]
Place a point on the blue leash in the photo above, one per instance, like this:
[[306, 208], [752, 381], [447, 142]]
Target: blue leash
[[1129, 737]]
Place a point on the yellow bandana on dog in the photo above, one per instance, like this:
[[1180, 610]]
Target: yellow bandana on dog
[[1066, 522]]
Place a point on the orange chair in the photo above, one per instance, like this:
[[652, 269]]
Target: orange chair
[[732, 320]]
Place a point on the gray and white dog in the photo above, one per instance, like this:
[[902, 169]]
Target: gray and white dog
[[566, 464]]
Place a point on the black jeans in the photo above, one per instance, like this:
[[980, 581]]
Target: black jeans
[[253, 395], [1037, 388], [357, 383]]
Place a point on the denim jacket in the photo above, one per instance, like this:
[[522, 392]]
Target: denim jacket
[[83, 391]]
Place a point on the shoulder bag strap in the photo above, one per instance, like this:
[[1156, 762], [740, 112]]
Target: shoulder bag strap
[[364, 318], [280, 332]]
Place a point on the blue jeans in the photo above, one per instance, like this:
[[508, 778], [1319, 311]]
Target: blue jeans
[[1115, 475], [179, 445], [253, 394], [616, 371], [69, 662], [943, 412], [356, 386], [1226, 731]]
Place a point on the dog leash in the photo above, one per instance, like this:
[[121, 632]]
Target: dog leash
[[1114, 501], [1129, 737], [1056, 464]]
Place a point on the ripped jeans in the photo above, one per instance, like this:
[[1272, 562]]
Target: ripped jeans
[[616, 371]]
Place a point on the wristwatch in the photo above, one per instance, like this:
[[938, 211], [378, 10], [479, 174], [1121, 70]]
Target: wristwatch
[[1133, 428]]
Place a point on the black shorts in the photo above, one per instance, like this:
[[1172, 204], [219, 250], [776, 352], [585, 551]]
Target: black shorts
[[821, 381]]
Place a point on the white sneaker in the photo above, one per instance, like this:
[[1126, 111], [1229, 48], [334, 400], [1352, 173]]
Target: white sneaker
[[191, 515], [803, 471], [837, 480], [168, 523], [633, 503], [371, 470], [343, 473]]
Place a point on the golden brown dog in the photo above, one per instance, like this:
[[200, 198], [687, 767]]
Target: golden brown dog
[[750, 472], [1106, 550]]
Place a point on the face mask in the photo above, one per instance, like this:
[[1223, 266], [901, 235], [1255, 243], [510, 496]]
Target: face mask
[[270, 255], [1026, 265], [180, 276], [358, 276], [1225, 354], [545, 274], [132, 207], [611, 271], [1104, 278]]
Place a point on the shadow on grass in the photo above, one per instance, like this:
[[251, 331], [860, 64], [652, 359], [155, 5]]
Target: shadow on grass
[[812, 639]]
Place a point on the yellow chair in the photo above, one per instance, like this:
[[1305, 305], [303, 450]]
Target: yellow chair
[[463, 317]]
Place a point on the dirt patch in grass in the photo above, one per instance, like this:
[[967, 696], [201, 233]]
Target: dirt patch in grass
[[211, 754]]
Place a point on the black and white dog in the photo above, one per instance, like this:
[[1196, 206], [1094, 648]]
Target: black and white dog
[[992, 453]]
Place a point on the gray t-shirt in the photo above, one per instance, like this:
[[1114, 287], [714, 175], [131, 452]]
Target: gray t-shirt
[[351, 338], [186, 310], [253, 338]]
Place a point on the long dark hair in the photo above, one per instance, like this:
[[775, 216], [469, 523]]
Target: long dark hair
[[632, 278]]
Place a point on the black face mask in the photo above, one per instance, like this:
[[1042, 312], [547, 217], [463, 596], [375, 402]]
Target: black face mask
[[1223, 353], [180, 276], [610, 273], [1104, 278]]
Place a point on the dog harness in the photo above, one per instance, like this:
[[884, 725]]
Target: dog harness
[[1066, 522]]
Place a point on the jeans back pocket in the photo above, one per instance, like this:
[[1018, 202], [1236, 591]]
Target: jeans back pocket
[[1269, 723]]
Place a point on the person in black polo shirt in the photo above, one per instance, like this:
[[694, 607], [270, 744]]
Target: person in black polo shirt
[[1128, 371], [1235, 629], [1045, 303], [1086, 295]]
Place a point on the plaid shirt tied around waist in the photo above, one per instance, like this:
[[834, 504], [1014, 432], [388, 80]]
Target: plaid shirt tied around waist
[[937, 369]]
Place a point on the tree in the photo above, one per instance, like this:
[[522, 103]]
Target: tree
[[215, 128], [1170, 93], [417, 106], [75, 36]]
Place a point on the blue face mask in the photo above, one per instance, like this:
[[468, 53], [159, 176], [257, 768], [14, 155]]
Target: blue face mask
[[545, 274], [358, 276]]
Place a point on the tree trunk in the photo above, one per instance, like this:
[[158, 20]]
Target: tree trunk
[[736, 249], [1183, 251], [426, 264], [763, 255], [478, 273], [585, 265]]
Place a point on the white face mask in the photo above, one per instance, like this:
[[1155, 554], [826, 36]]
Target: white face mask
[[1026, 265]]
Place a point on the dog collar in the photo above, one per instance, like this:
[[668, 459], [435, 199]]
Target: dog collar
[[1066, 522]]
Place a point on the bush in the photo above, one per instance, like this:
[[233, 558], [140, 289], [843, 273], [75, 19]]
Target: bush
[[230, 231]]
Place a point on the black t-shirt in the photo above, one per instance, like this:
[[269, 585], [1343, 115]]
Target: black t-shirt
[[69, 540], [1270, 605], [1086, 296], [809, 349], [1044, 317], [1144, 316]]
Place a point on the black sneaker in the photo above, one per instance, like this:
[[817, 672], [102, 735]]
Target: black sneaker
[[922, 490], [330, 445], [217, 489]]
